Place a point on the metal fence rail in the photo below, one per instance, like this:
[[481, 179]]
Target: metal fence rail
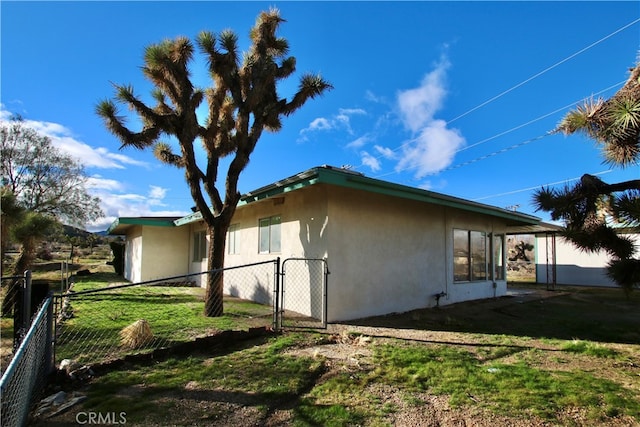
[[27, 373]]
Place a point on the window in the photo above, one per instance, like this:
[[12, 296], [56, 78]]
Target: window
[[232, 239], [460, 255], [269, 235], [199, 245], [470, 261], [498, 257]]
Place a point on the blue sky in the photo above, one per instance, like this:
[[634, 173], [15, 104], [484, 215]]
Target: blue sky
[[454, 97]]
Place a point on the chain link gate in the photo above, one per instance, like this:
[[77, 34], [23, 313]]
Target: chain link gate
[[303, 294]]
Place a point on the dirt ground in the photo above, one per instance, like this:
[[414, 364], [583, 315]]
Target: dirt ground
[[465, 325]]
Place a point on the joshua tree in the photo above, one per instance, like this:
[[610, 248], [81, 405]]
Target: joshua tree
[[242, 102], [593, 210]]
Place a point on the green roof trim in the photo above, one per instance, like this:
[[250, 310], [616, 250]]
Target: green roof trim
[[355, 180], [118, 226]]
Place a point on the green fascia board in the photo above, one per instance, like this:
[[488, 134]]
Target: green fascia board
[[150, 221], [196, 216], [354, 180]]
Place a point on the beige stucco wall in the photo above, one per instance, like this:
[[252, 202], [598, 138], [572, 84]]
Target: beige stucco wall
[[303, 235], [165, 252], [573, 266], [394, 255]]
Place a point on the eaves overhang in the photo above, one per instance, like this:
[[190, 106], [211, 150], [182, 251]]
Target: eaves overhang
[[122, 224], [355, 180]]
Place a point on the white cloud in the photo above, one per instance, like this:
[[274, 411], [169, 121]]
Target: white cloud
[[116, 205], [419, 105], [359, 142], [339, 121], [157, 192], [385, 152], [433, 145], [320, 124], [432, 151], [63, 138], [97, 182], [370, 161], [372, 97]]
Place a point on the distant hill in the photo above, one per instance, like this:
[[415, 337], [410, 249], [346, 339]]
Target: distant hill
[[71, 231]]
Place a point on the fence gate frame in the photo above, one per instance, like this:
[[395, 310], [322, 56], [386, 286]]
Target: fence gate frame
[[281, 291]]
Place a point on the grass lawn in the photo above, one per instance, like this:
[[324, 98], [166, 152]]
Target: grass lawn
[[173, 313], [267, 376], [573, 360]]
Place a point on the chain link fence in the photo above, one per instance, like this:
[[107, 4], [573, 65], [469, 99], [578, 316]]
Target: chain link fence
[[97, 323], [26, 375], [304, 293], [14, 323]]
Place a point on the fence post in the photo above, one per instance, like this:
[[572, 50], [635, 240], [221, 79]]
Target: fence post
[[22, 310], [26, 300], [49, 352], [325, 290], [276, 297]]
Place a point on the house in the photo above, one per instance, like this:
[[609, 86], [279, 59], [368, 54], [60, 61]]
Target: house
[[559, 262], [389, 247]]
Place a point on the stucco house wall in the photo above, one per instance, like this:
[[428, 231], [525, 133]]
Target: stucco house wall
[[573, 266], [394, 255], [166, 252], [154, 248], [303, 229]]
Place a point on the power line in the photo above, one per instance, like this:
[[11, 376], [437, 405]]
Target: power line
[[538, 118], [495, 153], [565, 181], [499, 135], [486, 156], [544, 71], [544, 116], [522, 125]]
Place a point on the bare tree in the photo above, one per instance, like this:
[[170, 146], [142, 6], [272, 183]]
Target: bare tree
[[42, 178]]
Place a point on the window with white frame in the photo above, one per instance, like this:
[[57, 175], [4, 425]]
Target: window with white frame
[[470, 260], [269, 239], [199, 246], [233, 239]]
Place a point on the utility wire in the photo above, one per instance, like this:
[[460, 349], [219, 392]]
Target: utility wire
[[495, 153], [538, 118], [565, 181], [523, 83], [544, 71], [502, 134]]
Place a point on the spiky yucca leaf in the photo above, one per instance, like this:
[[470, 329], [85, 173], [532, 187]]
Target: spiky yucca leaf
[[162, 151]]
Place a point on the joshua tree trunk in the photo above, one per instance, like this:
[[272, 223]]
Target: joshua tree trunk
[[215, 261]]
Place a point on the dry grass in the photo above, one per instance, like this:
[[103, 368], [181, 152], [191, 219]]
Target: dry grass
[[136, 335]]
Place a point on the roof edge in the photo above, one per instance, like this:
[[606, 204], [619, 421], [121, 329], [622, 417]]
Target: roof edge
[[122, 222], [350, 179]]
